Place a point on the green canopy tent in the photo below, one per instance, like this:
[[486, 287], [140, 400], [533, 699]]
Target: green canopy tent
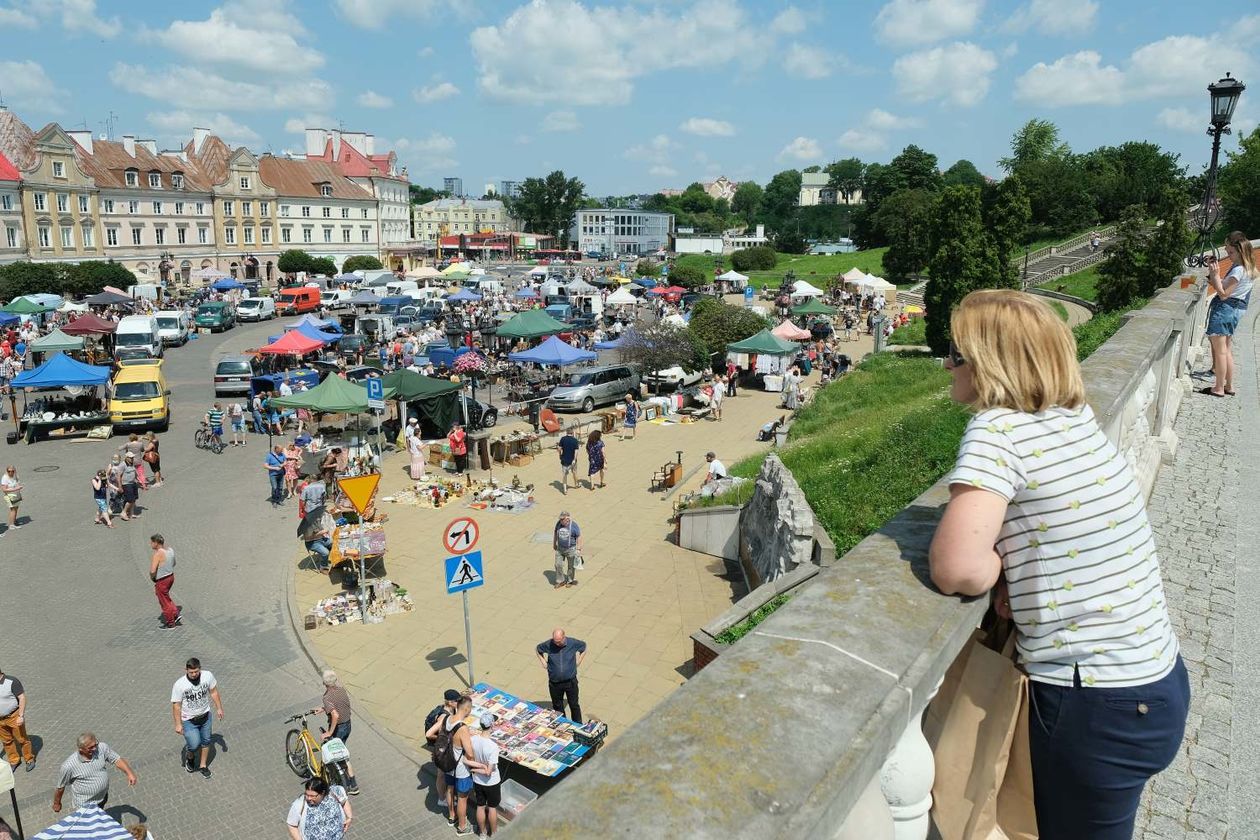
[[56, 341], [813, 307], [332, 396], [764, 343], [436, 401], [25, 306], [532, 323]]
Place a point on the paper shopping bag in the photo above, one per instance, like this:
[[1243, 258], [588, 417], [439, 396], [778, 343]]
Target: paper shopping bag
[[977, 726]]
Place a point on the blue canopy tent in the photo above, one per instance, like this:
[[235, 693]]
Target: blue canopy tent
[[7, 318], [87, 823], [61, 371], [527, 294], [311, 331], [613, 344], [553, 351], [226, 284], [645, 282], [463, 296], [324, 324]]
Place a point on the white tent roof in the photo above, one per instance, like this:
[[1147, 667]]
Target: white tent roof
[[855, 273], [538, 269], [549, 288], [674, 319], [70, 306], [803, 288], [732, 275], [423, 272], [879, 284], [581, 287], [476, 271], [621, 296]]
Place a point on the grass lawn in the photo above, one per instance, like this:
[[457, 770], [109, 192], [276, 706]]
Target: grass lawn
[[816, 268], [1082, 284], [1059, 308], [913, 333]]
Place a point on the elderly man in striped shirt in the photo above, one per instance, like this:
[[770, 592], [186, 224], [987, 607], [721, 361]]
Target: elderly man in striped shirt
[[336, 704], [86, 772]]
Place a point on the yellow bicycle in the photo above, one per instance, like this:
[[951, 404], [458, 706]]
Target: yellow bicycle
[[309, 758]]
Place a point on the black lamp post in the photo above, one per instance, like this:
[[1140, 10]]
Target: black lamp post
[[1225, 94]]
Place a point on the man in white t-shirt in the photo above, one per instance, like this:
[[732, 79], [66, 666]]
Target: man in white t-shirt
[[716, 468], [486, 791], [190, 706]]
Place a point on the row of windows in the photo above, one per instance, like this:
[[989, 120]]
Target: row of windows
[[308, 234], [44, 235], [159, 236], [450, 217], [247, 208], [286, 209], [229, 235], [132, 177]]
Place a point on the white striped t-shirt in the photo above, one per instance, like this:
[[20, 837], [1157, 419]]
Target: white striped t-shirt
[[1076, 545]]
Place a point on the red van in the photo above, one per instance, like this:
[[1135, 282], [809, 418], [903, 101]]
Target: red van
[[297, 300]]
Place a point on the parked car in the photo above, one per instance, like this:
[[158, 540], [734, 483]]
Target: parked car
[[350, 345], [480, 415], [174, 326], [560, 311], [359, 373], [139, 397], [673, 377], [431, 311], [256, 309], [137, 337], [584, 321], [232, 375], [216, 315], [585, 388], [440, 354]]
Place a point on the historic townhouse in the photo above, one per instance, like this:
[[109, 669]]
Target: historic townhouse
[[12, 241], [244, 207], [321, 211], [354, 155]]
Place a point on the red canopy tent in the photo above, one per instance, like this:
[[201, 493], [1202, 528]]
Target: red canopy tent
[[292, 343], [90, 324]]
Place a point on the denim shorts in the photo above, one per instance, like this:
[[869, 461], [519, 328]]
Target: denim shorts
[[102, 506], [1223, 317], [197, 736], [238, 424]]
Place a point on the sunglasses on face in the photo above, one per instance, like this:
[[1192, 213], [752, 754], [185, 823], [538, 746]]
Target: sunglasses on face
[[955, 357]]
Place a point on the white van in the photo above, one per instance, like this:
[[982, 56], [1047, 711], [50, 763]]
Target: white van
[[256, 309], [401, 287], [174, 326], [335, 298], [137, 337]]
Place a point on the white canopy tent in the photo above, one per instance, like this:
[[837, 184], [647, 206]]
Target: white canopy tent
[[621, 297], [581, 287], [538, 271], [70, 306], [423, 272], [674, 320], [803, 288], [854, 274]]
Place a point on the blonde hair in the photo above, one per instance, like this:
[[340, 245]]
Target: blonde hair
[[1022, 355], [1239, 240]]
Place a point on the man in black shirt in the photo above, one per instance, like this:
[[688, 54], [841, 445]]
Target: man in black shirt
[[561, 656]]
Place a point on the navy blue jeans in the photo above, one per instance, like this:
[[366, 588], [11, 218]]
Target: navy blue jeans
[[1093, 750], [277, 486]]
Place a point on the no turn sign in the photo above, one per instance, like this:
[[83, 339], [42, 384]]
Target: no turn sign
[[461, 535]]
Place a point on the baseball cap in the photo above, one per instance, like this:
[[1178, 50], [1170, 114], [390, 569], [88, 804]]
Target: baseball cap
[[130, 456], [450, 695], [486, 720]]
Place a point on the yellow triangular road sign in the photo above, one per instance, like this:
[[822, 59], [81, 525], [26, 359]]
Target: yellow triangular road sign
[[359, 489]]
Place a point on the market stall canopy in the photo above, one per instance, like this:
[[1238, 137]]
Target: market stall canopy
[[538, 270], [791, 332], [674, 320], [364, 299], [813, 306], [226, 284], [208, 273], [622, 280], [763, 343], [423, 272], [55, 341], [877, 284], [550, 288], [553, 351], [464, 296], [409, 385], [315, 333], [455, 268], [70, 306], [90, 324], [86, 823], [319, 323], [527, 294], [733, 276], [533, 323], [581, 287], [621, 297], [7, 318], [348, 278], [292, 343], [25, 306], [601, 280], [854, 273], [107, 298], [614, 344], [803, 288], [646, 282], [60, 371], [914, 309], [334, 395]]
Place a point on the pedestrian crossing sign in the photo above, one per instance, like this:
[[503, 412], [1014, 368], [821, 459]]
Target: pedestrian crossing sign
[[464, 571]]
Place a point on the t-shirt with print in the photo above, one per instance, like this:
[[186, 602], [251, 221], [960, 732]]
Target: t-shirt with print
[[567, 535], [194, 700], [1076, 547]]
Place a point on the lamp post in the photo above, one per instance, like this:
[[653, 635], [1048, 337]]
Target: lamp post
[[1224, 96]]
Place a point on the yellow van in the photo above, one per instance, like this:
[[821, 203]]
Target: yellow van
[[139, 396]]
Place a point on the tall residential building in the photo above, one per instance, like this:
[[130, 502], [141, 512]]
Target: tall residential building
[[12, 238], [354, 154], [611, 231], [509, 189], [450, 216], [244, 207], [454, 186], [319, 210]]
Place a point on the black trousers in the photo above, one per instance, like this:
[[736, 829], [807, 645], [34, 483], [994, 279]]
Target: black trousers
[[561, 688]]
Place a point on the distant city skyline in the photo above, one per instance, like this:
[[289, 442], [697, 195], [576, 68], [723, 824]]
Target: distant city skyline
[[654, 96]]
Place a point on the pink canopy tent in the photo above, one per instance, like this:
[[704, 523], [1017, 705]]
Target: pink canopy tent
[[292, 343], [789, 331]]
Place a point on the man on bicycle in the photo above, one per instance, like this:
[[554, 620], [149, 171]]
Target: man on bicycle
[[190, 706], [214, 419]]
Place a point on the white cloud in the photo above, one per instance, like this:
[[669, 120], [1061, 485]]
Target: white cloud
[[77, 16], [241, 36], [1179, 65], [862, 140], [871, 134], [790, 21], [1054, 17], [881, 120], [372, 99], [655, 150], [179, 85], [957, 73], [26, 85], [424, 52], [1246, 28], [1010, 50], [517, 59], [663, 171], [374, 14], [801, 149], [427, 154], [560, 121], [298, 125], [179, 125], [1182, 119], [523, 140], [707, 127], [16, 19], [914, 23], [434, 93], [806, 62]]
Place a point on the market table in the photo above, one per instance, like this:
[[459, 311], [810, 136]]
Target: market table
[[36, 428], [533, 737]]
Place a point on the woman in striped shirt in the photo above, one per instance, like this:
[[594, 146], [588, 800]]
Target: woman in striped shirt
[[1046, 512]]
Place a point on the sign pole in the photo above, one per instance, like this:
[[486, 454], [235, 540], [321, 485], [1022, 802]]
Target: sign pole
[[468, 640], [17, 816]]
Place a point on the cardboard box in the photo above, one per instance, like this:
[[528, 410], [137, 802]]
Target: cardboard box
[[520, 460]]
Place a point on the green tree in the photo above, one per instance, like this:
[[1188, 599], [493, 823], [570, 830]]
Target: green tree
[[1006, 215], [294, 261], [790, 242], [778, 205], [88, 278], [962, 173], [916, 169], [658, 345], [1035, 140], [423, 195], [757, 258], [1058, 194], [718, 324], [365, 262], [546, 205], [747, 201], [1167, 242], [322, 265], [905, 221], [28, 278], [1239, 186], [688, 276], [695, 200], [962, 260], [1121, 273], [1131, 173], [646, 268], [845, 177]]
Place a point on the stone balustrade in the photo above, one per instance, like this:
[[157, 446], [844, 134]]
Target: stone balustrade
[[810, 725]]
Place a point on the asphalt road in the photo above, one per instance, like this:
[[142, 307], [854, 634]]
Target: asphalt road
[[79, 627]]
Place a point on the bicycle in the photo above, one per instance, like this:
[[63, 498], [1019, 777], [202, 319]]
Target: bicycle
[[203, 439], [308, 758]]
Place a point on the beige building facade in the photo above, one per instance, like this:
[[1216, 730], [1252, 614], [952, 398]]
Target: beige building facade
[[319, 210], [60, 200], [453, 216]]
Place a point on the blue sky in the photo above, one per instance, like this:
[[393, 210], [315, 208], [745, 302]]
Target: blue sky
[[633, 96]]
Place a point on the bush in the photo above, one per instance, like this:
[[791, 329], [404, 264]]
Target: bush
[[687, 276], [322, 265], [647, 268], [1093, 333], [759, 258], [364, 262]]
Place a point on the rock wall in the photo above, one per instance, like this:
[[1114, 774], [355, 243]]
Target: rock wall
[[776, 526]]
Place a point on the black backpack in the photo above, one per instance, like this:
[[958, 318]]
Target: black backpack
[[444, 749], [432, 717]]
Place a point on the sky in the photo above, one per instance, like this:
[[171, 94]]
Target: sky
[[633, 96]]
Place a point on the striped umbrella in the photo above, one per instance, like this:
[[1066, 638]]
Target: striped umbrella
[[87, 823]]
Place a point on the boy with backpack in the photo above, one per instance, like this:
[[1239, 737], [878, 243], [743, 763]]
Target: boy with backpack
[[449, 698], [453, 755]]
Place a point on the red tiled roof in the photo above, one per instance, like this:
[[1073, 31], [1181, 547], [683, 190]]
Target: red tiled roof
[[108, 164], [8, 172], [353, 163], [17, 141], [304, 178]]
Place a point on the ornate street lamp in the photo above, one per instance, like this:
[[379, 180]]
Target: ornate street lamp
[[1225, 94]]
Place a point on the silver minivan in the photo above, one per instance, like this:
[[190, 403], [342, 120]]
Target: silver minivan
[[585, 388]]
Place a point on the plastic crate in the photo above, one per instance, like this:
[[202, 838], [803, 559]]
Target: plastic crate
[[514, 798]]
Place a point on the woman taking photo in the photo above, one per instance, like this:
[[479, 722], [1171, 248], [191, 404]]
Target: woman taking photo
[[1233, 292], [1046, 512]]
